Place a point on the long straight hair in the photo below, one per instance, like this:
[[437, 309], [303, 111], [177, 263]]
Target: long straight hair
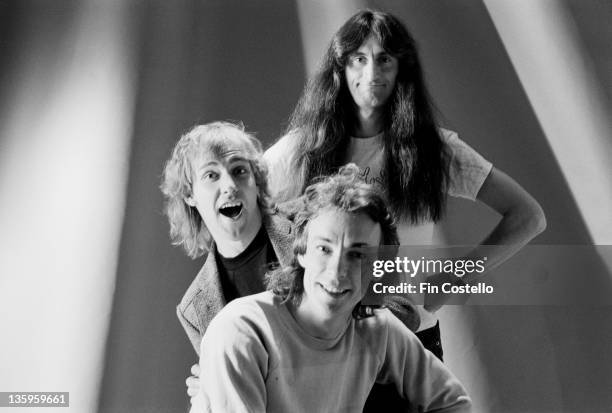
[[415, 157]]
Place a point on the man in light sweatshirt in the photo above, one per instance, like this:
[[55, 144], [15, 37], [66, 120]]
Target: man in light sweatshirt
[[309, 344]]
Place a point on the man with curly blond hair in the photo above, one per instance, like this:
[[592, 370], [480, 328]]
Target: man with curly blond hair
[[217, 205]]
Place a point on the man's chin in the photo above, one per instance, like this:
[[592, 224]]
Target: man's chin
[[335, 303], [230, 229], [233, 229], [376, 100]]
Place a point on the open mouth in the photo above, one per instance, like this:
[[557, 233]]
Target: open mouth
[[231, 209], [335, 292]]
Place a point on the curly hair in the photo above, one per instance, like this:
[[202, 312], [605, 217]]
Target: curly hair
[[346, 192], [187, 228], [415, 156]]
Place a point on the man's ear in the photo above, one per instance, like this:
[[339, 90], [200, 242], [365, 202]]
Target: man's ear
[[300, 258], [189, 201]]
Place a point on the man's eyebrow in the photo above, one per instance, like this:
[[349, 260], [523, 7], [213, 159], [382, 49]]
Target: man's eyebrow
[[382, 53], [207, 164], [322, 238], [353, 245], [236, 158]]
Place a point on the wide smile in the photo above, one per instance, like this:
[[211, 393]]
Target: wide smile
[[232, 210], [335, 292]]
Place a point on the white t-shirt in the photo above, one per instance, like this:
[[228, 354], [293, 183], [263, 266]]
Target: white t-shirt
[[467, 172], [255, 357]]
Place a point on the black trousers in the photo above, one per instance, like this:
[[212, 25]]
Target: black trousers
[[430, 339]]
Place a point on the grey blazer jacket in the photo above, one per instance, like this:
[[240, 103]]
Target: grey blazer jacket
[[204, 298]]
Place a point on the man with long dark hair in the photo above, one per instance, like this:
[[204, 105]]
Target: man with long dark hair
[[368, 104]]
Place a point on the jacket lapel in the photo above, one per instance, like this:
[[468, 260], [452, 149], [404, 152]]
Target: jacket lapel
[[279, 231], [211, 300]]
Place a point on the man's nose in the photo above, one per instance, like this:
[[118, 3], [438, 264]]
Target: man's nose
[[372, 70], [227, 183], [339, 265]]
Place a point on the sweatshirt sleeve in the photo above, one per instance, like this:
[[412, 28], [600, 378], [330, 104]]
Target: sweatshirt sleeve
[[420, 377], [233, 363]]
